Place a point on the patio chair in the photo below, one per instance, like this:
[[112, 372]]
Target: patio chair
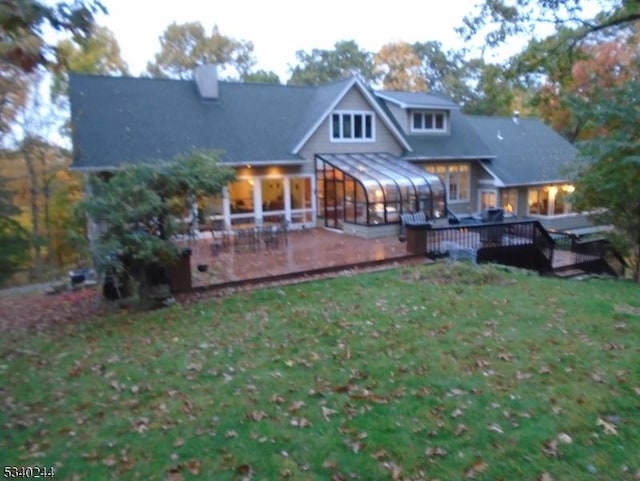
[[217, 236]]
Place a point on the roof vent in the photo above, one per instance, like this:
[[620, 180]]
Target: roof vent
[[516, 116], [500, 137], [206, 77]]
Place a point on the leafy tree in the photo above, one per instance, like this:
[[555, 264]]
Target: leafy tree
[[496, 91], [136, 208], [498, 21], [609, 184], [14, 239], [603, 64], [100, 54], [13, 91], [262, 77], [40, 175], [323, 66], [445, 71], [400, 68], [185, 46], [24, 22]]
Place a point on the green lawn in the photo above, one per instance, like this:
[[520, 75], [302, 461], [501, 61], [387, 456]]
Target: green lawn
[[441, 371]]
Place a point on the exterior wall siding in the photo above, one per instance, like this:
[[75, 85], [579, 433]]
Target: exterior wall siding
[[401, 115], [320, 141]]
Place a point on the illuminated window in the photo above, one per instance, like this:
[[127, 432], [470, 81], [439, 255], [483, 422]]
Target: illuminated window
[[550, 200], [456, 178], [509, 200]]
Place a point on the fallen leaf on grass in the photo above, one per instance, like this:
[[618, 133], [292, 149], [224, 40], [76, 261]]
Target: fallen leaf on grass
[[609, 428], [300, 422], [276, 399], [178, 442], [505, 356], [456, 413], [295, 406], [564, 438], [174, 475], [496, 428], [435, 453], [194, 466], [380, 454], [256, 416], [396, 470], [550, 449], [245, 471], [460, 429], [327, 413], [479, 466]]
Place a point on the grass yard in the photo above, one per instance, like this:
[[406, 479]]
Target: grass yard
[[442, 371]]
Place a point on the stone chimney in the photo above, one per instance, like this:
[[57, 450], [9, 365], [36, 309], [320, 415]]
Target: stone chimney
[[206, 77]]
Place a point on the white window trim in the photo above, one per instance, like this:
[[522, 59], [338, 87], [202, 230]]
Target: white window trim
[[258, 214], [515, 205], [488, 191], [447, 182], [434, 129], [353, 113], [550, 206]]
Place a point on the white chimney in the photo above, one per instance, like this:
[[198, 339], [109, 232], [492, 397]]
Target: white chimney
[[206, 77], [516, 116]]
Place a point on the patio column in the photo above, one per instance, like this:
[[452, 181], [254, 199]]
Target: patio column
[[257, 200], [226, 208], [287, 199]]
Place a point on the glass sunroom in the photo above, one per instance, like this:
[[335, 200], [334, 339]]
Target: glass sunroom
[[374, 189]]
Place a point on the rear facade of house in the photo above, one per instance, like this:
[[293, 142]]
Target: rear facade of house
[[338, 156]]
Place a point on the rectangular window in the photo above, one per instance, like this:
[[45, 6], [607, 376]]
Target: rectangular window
[[335, 126], [509, 200], [539, 201], [357, 127], [456, 178], [352, 126], [550, 200], [346, 126], [429, 122]]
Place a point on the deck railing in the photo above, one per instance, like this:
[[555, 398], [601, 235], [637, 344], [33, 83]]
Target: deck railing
[[476, 236], [590, 251]]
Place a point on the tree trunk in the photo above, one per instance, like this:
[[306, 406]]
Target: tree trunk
[[35, 213]]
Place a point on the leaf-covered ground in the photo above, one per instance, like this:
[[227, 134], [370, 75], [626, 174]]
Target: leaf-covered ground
[[421, 373]]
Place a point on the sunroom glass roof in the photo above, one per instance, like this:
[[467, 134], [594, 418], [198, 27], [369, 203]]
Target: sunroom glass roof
[[383, 168]]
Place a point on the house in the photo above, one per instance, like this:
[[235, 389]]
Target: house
[[340, 156]]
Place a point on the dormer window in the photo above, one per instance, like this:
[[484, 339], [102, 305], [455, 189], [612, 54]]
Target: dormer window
[[352, 127], [429, 122]]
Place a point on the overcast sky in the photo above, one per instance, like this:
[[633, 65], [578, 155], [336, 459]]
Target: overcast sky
[[279, 28]]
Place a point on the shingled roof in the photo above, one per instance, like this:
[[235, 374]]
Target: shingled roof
[[526, 150], [120, 120]]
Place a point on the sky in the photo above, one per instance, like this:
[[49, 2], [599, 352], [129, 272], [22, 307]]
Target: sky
[[279, 28]]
